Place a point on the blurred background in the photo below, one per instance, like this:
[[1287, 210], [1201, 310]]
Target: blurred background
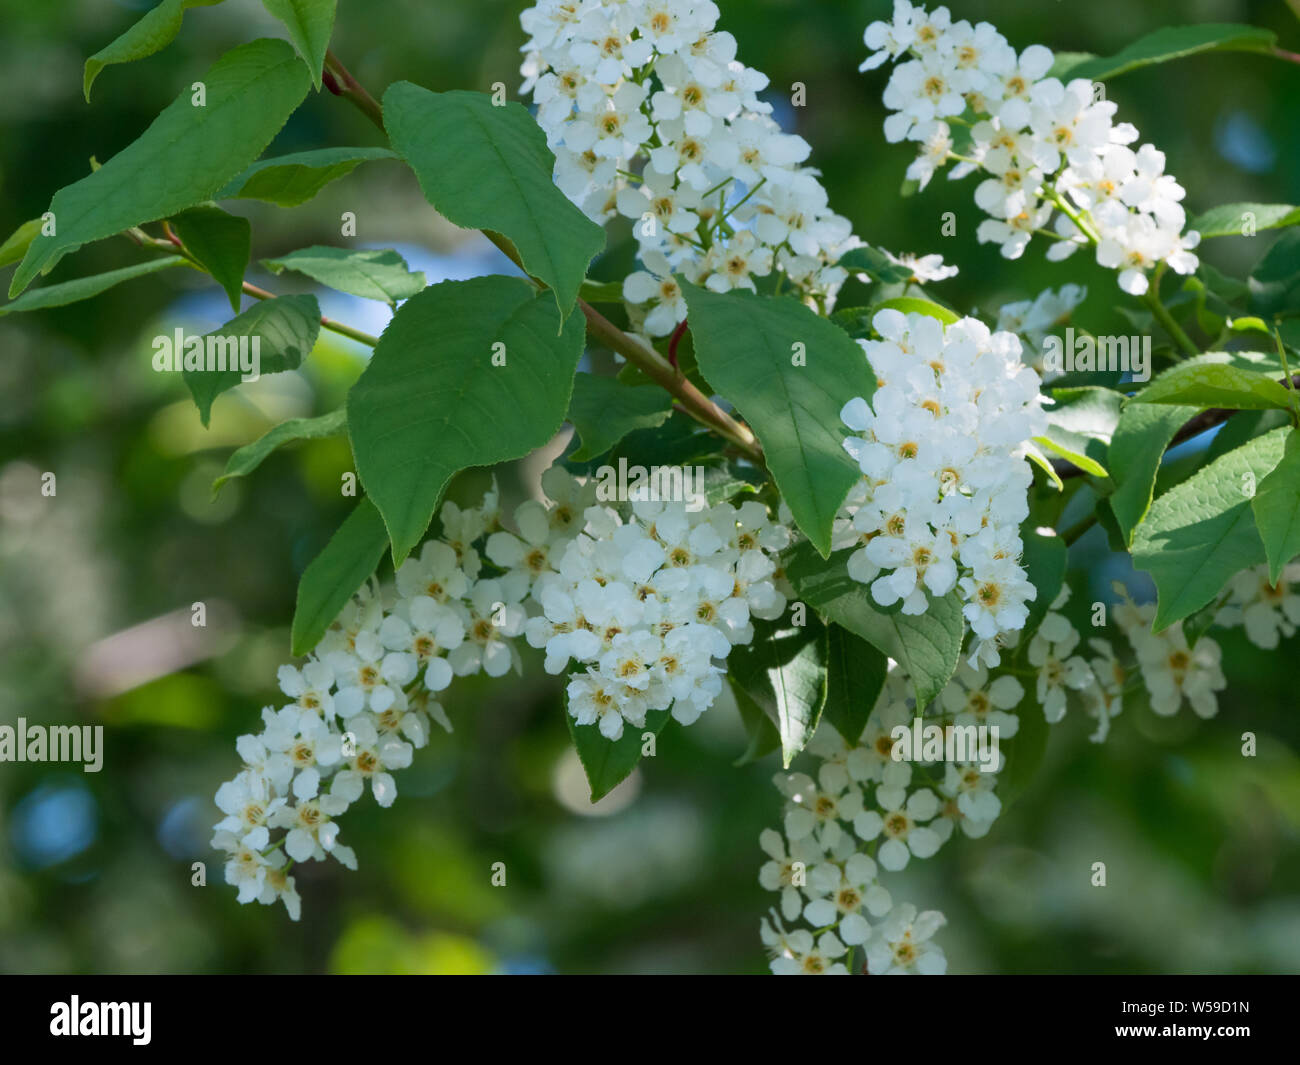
[[96, 584]]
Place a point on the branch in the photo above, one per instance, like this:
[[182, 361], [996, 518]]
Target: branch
[[654, 365], [173, 244], [342, 328], [342, 83], [1194, 426]]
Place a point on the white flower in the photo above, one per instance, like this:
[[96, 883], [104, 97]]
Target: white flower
[[845, 892], [1043, 142], [1105, 699], [653, 88], [902, 945], [902, 823], [247, 803], [804, 956], [784, 869], [1267, 611], [657, 285], [372, 760], [1171, 670], [493, 616], [1051, 653], [944, 483], [819, 805], [246, 867]]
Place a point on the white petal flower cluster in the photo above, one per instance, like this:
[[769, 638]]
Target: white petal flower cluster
[[652, 118], [1043, 145], [1171, 670], [1051, 653], [865, 813], [944, 485], [1268, 612], [1032, 320], [1098, 682], [362, 703], [649, 606]]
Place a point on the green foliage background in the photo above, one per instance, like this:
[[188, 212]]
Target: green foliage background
[[1202, 846]]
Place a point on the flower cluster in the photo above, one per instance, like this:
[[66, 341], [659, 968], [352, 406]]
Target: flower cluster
[[1032, 320], [869, 810], [652, 118], [944, 486], [649, 605], [1043, 145], [365, 699], [1267, 611], [1172, 670], [877, 803]]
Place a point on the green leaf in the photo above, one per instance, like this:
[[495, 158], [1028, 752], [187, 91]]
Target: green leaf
[[152, 33], [85, 287], [486, 167], [1210, 384], [1034, 455], [927, 646], [603, 410], [1044, 557], [1175, 42], [783, 669], [916, 305], [15, 247], [875, 264], [1277, 509], [247, 458], [1202, 532], [183, 158], [221, 242], [856, 321], [747, 347], [1248, 324], [1241, 428], [1083, 420], [855, 677], [763, 737], [285, 330], [1275, 280], [606, 762], [289, 180], [723, 483], [431, 402], [1072, 456], [1141, 436], [310, 23], [1229, 289], [680, 441], [1199, 623], [602, 291], [335, 575], [1244, 219], [1065, 62], [374, 273]]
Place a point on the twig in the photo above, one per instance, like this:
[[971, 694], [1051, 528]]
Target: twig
[[654, 365]]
